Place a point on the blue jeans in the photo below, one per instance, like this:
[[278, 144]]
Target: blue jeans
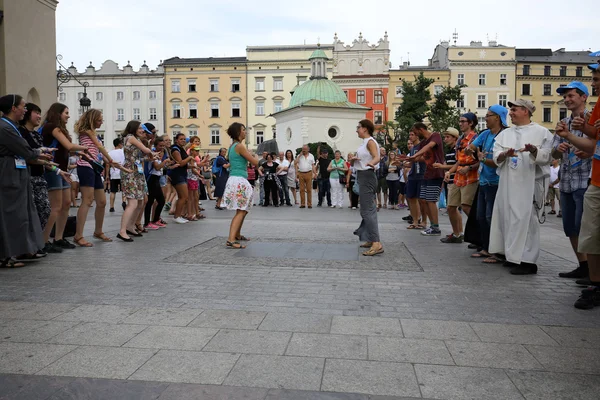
[[571, 205], [485, 208], [324, 190]]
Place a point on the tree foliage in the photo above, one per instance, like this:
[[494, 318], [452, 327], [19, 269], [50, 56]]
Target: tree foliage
[[316, 147], [443, 114]]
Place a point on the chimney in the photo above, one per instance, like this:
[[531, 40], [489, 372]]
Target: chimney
[[493, 43]]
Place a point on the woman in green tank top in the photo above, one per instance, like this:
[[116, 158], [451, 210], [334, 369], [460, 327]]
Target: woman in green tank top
[[238, 191]]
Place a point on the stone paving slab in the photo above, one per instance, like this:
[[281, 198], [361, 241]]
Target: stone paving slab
[[444, 330], [98, 334], [33, 331], [97, 313], [187, 367], [29, 358], [564, 359], [537, 385], [366, 326], [573, 337], [99, 362], [419, 351], [26, 387], [28, 310], [309, 323], [492, 355], [521, 334], [254, 342], [329, 346], [86, 388], [160, 316], [224, 319], [370, 377]]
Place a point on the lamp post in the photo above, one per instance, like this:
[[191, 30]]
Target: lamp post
[[64, 75], [274, 130]]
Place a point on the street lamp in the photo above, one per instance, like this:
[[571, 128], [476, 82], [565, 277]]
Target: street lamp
[[64, 75], [274, 129]]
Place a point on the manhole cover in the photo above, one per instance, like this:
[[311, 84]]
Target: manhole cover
[[298, 253]]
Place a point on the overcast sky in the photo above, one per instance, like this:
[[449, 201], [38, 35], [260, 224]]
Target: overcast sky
[[153, 30]]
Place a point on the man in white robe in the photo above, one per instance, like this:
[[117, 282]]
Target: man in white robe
[[523, 155]]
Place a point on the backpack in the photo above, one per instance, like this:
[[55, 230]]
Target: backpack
[[216, 169]]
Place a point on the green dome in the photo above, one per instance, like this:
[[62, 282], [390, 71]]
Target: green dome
[[318, 53], [318, 89]]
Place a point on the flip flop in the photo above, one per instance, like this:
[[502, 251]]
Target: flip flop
[[491, 260], [372, 252], [480, 254], [242, 237], [234, 245], [81, 242], [10, 263]]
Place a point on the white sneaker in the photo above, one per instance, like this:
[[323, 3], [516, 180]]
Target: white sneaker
[[181, 220], [331, 206]]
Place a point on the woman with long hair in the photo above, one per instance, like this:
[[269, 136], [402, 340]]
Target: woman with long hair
[[393, 178], [56, 135], [238, 193], [366, 160], [269, 170], [292, 179], [133, 182], [20, 230], [89, 172], [179, 177]]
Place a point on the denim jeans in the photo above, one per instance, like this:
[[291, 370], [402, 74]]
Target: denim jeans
[[485, 207], [571, 205], [284, 193], [324, 190]]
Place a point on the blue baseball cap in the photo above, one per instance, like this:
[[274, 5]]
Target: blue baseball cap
[[573, 85], [148, 128], [594, 67], [500, 111]]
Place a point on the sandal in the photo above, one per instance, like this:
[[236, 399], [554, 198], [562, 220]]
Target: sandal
[[372, 252], [235, 245], [142, 230], [491, 260], [242, 237], [10, 263], [192, 219], [81, 242], [200, 216], [367, 245], [102, 237], [479, 254]]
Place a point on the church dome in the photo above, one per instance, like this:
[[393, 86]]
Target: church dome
[[318, 89]]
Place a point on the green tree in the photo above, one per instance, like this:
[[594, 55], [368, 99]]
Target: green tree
[[443, 114], [315, 147]]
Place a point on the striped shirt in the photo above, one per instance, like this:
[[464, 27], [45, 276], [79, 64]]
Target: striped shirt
[[574, 172], [86, 141]]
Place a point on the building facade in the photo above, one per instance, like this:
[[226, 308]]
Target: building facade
[[487, 71], [273, 73], [362, 71], [31, 73], [122, 95], [541, 71], [203, 96]]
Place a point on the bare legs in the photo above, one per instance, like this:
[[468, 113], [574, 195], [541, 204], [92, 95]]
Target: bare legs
[[88, 195], [134, 207], [235, 229], [60, 202], [182, 195]]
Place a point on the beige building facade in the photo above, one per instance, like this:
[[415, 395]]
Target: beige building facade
[[273, 73], [203, 96], [28, 56], [541, 71]]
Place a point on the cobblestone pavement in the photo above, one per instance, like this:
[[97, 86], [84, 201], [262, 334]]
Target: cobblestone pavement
[[175, 315]]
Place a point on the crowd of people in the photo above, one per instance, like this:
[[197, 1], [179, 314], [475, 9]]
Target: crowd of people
[[500, 179]]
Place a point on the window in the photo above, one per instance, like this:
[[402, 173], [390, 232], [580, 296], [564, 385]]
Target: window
[[562, 113], [99, 96], [79, 95], [482, 101], [437, 89], [214, 85], [332, 132], [193, 110], [120, 96], [260, 85], [260, 108], [260, 137], [481, 79], [547, 114], [481, 124], [214, 110], [277, 105], [120, 114], [136, 95], [235, 110], [235, 85], [378, 117], [301, 80], [461, 79], [547, 89], [378, 97], [192, 132], [137, 115], [503, 80], [152, 95], [215, 136], [152, 114], [563, 70], [579, 71], [175, 133], [503, 100], [547, 70], [460, 103], [175, 86], [176, 111], [191, 85], [360, 97], [62, 96], [526, 69], [526, 90], [277, 84]]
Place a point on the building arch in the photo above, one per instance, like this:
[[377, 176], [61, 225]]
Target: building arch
[[33, 96]]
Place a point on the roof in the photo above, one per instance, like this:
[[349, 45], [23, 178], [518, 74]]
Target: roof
[[206, 60], [560, 56], [294, 47], [318, 53], [318, 89]]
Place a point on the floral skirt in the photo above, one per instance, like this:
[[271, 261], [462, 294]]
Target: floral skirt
[[238, 194]]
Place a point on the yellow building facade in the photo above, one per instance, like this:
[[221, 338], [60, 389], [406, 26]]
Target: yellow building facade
[[273, 72], [441, 79], [203, 96], [540, 72]]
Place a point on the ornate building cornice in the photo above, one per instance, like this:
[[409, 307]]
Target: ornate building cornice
[[52, 4]]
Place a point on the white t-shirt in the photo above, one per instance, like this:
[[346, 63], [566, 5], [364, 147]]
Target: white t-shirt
[[284, 163], [554, 175], [305, 164], [116, 155]]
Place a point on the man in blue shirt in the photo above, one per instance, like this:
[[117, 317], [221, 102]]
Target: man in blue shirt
[[483, 146]]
